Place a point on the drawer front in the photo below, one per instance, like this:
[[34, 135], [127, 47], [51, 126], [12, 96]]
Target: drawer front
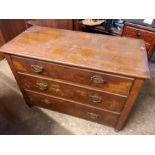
[[84, 95], [139, 33], [107, 82], [71, 108]]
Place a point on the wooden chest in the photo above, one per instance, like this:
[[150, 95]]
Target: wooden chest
[[95, 77], [141, 32]]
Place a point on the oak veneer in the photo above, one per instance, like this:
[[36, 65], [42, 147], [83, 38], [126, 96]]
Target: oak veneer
[[72, 108], [78, 93], [116, 84], [91, 76]]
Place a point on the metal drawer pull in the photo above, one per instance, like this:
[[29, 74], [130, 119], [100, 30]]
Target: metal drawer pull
[[97, 79], [96, 98], [37, 69], [46, 101], [42, 86], [92, 115]]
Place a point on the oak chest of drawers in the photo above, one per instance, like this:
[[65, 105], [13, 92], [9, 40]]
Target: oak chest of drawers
[[95, 77]]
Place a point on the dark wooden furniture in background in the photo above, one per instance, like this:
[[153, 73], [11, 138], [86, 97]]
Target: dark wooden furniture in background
[[73, 73], [55, 23], [141, 32], [12, 27], [2, 42]]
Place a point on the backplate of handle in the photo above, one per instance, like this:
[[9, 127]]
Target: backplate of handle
[[97, 79], [46, 101], [36, 68], [92, 115], [95, 98], [42, 85]]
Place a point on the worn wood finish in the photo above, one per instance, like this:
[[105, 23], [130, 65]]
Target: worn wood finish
[[63, 62], [129, 104], [113, 83], [93, 51], [74, 92], [141, 32], [78, 110]]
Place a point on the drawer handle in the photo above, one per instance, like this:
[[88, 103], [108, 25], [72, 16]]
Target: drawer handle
[[96, 98], [46, 101], [92, 115], [97, 79], [42, 86], [138, 34], [37, 69]]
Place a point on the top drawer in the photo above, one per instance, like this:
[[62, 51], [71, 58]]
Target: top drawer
[[139, 33], [107, 82]]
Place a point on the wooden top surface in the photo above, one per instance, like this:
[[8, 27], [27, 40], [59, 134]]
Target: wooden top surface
[[125, 56]]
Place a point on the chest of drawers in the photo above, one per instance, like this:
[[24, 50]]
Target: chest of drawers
[[141, 32], [90, 76]]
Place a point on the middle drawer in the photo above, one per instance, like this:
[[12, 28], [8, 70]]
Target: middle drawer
[[73, 92]]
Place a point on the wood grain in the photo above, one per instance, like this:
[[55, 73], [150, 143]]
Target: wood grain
[[74, 109], [93, 51], [67, 61], [74, 92], [113, 83]]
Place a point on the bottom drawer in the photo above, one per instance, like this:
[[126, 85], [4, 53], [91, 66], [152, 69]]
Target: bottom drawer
[[74, 109]]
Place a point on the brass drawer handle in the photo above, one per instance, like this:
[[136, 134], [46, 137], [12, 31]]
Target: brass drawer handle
[[42, 86], [96, 98], [97, 79], [92, 115], [46, 101], [36, 68]]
